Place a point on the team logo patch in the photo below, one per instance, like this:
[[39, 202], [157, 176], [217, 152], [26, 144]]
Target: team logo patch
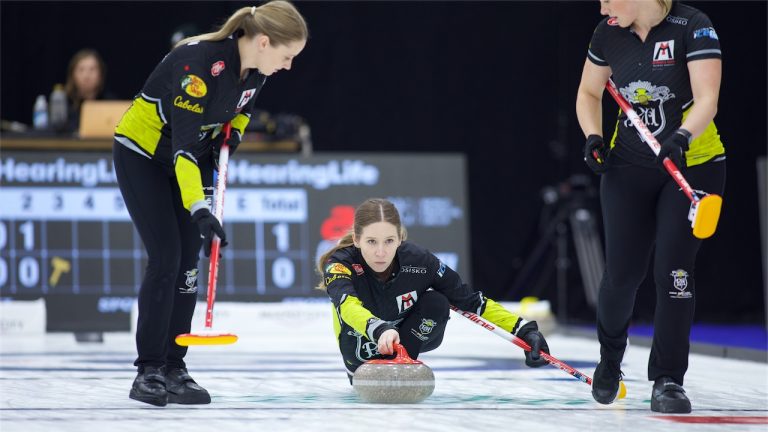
[[664, 53], [338, 268], [358, 269], [194, 86], [244, 98], [217, 67], [648, 100], [427, 325], [425, 328], [406, 301], [187, 105], [191, 282], [365, 349], [441, 269], [705, 32], [680, 283]]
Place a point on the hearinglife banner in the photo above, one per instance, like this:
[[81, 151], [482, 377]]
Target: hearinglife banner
[[66, 236]]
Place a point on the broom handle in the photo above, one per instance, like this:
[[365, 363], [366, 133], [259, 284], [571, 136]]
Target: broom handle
[[218, 212], [482, 322]]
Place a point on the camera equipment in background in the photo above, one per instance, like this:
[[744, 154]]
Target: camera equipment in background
[[569, 204], [269, 127]]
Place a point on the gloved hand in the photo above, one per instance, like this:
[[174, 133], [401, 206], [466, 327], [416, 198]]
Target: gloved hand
[[595, 153], [234, 141], [674, 148], [208, 225], [531, 335]]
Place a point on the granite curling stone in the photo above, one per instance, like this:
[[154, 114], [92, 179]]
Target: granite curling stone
[[401, 380]]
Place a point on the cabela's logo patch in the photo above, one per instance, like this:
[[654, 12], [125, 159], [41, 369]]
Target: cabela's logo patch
[[187, 105]]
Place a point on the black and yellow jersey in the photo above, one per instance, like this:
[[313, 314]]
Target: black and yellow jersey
[[653, 76], [362, 302], [194, 90]]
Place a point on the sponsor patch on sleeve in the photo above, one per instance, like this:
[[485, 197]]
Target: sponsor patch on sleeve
[[338, 268], [705, 32], [330, 279], [194, 86], [441, 269]]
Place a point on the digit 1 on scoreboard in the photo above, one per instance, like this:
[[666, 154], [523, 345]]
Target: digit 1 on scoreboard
[[283, 236]]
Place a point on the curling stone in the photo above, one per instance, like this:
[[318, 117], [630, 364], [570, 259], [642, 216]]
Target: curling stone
[[401, 380]]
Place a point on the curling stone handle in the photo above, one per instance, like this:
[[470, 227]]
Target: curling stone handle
[[401, 357], [402, 354]]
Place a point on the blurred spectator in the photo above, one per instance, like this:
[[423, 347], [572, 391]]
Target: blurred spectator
[[86, 77]]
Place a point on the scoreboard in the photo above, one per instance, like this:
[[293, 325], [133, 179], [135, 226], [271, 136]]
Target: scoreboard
[[66, 236]]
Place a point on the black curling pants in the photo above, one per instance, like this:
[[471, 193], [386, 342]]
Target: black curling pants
[[424, 328], [643, 207], [169, 290]]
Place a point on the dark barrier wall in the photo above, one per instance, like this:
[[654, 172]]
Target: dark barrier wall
[[495, 80]]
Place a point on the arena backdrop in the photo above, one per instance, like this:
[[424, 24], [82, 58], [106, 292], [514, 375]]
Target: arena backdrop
[[66, 236], [493, 80]]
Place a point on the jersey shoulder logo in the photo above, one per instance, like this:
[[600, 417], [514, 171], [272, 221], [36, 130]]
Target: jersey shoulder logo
[[708, 32], [413, 269], [194, 86], [338, 268], [358, 269], [217, 68], [677, 20]]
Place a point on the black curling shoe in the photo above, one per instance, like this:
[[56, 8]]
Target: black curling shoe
[[149, 387], [669, 397], [182, 389], [605, 383]]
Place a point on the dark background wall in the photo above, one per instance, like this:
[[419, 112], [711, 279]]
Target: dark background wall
[[494, 80]]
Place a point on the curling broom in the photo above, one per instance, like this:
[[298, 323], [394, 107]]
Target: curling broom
[[482, 322], [208, 336]]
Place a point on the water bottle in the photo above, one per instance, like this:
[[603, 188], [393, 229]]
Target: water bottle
[[40, 113], [58, 107]]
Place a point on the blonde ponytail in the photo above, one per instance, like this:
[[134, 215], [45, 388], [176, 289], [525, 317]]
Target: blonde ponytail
[[279, 20]]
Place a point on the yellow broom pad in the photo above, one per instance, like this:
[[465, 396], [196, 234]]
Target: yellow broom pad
[[205, 339], [707, 215]]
